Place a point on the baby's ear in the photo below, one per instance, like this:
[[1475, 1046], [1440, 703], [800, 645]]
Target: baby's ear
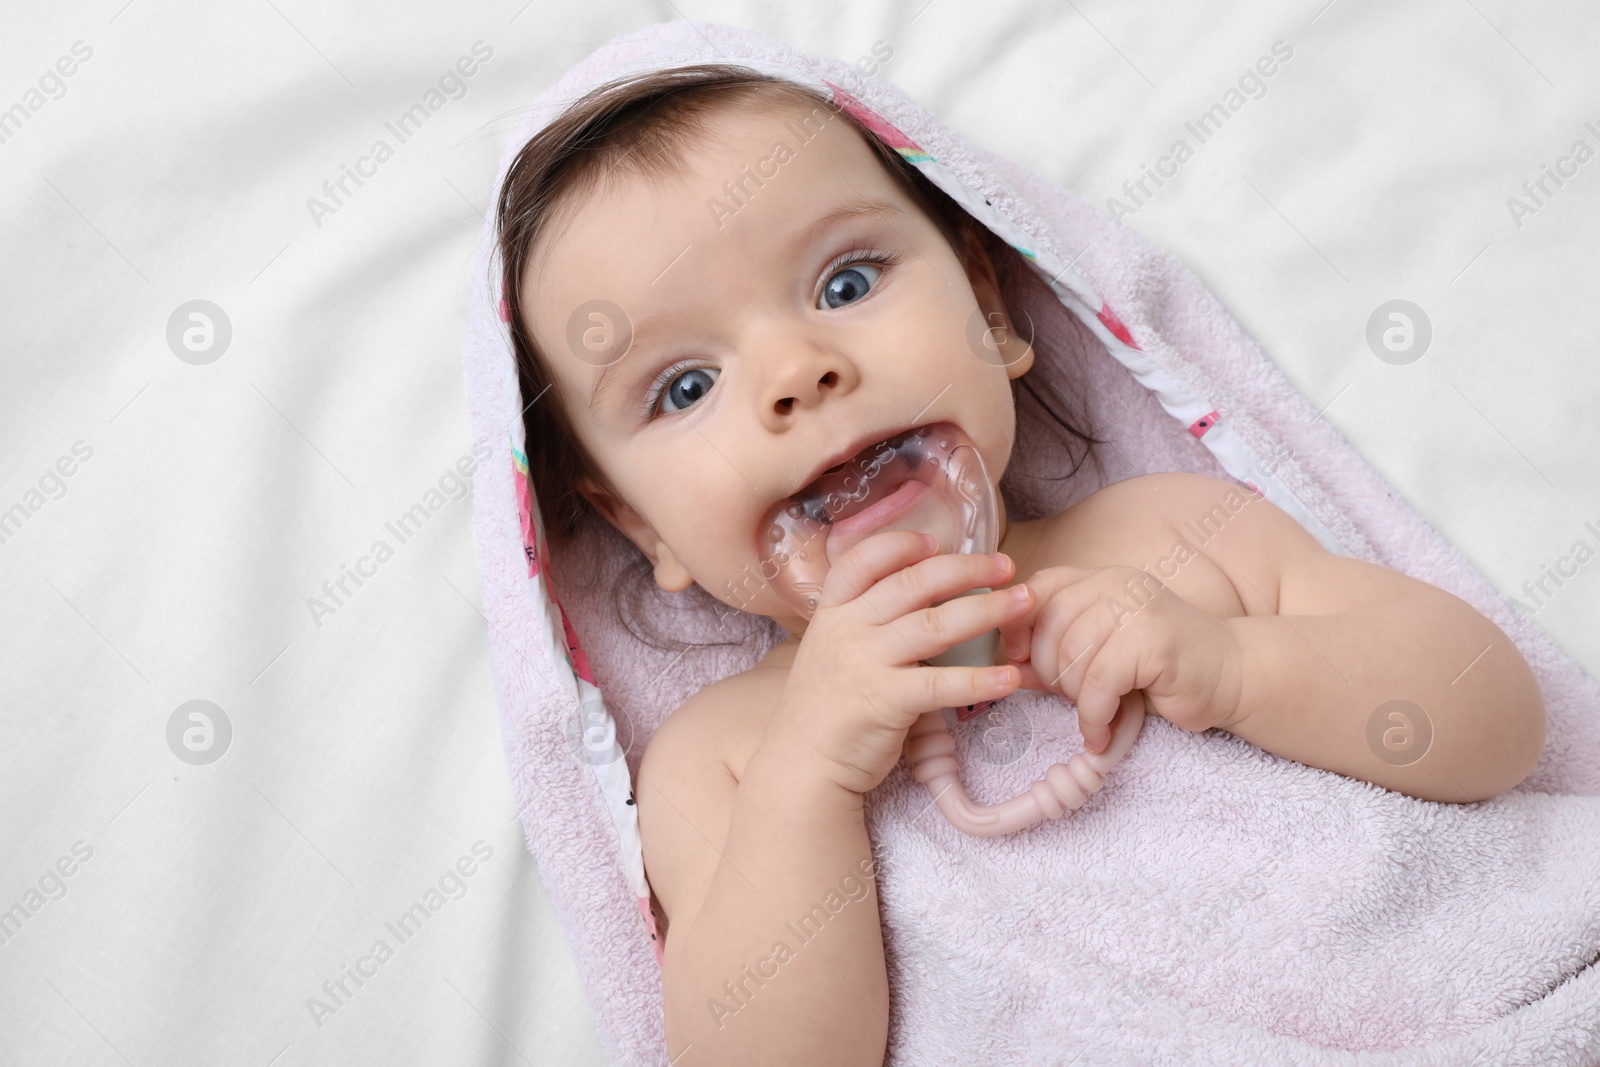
[[670, 573]]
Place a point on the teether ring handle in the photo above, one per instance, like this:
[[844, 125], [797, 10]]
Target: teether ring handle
[[929, 748]]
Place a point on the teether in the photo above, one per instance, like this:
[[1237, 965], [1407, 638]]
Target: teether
[[930, 479]]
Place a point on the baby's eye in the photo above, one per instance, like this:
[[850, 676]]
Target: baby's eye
[[849, 284], [685, 387]]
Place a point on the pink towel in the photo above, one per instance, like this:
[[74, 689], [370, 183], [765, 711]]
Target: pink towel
[[1214, 903]]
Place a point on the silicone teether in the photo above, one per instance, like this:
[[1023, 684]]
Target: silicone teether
[[930, 479]]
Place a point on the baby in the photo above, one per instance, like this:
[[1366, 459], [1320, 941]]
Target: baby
[[728, 288]]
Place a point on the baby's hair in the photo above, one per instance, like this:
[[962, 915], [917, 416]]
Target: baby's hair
[[641, 125]]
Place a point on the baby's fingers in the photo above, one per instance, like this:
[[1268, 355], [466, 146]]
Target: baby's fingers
[[1112, 673], [932, 688], [1030, 677], [933, 631], [1095, 736], [1017, 635]]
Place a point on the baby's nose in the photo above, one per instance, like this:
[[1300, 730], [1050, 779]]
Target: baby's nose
[[829, 380]]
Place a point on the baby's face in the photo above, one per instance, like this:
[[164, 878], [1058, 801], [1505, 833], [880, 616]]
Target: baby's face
[[741, 357]]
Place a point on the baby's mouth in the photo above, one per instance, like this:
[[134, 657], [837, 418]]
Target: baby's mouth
[[850, 487], [929, 479]]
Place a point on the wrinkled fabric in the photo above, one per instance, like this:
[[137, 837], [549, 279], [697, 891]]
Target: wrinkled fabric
[[1213, 903]]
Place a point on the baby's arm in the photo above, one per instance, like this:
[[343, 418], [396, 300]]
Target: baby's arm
[[1215, 609], [1326, 641], [745, 869], [770, 887]]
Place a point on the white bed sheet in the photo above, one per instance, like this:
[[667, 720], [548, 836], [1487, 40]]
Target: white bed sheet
[[208, 502]]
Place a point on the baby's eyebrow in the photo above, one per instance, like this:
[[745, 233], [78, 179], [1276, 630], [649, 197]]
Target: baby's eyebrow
[[858, 206]]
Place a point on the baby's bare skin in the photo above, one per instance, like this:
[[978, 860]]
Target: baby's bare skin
[[1089, 535], [744, 381], [1378, 633], [1256, 564]]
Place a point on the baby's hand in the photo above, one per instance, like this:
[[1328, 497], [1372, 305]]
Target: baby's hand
[[1095, 635], [858, 682]]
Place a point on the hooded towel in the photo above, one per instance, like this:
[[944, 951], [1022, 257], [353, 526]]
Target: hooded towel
[[1213, 903]]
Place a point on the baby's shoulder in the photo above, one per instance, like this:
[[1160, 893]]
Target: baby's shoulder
[[1162, 493], [1134, 522], [1127, 519], [726, 718], [688, 779], [1149, 502]]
